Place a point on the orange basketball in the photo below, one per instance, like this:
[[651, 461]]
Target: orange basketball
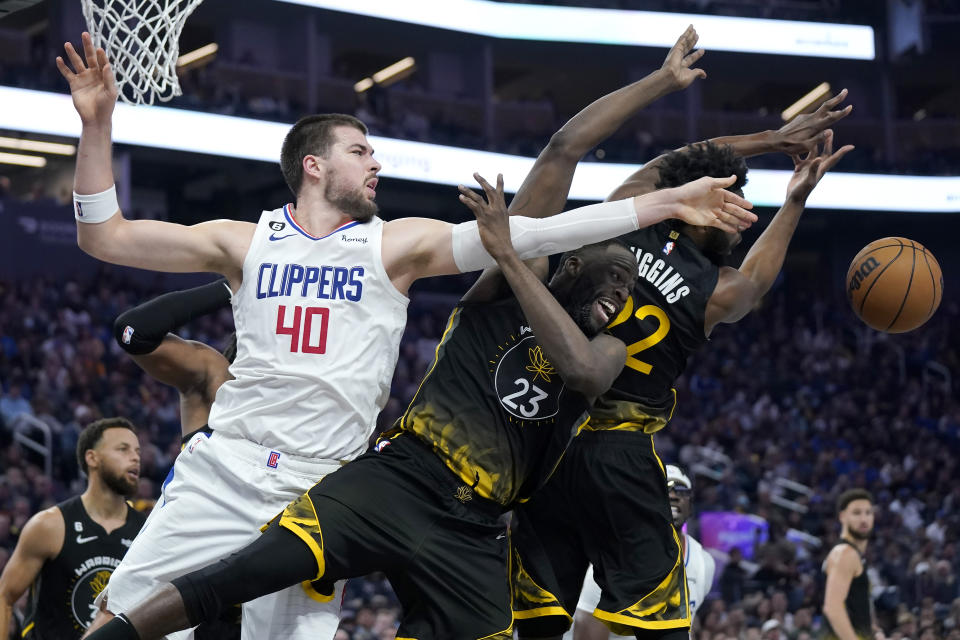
[[894, 285]]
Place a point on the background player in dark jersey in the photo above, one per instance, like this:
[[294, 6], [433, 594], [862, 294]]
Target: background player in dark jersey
[[66, 553], [847, 603], [195, 369], [607, 504], [425, 513]]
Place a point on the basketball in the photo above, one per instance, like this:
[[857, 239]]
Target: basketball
[[894, 285]]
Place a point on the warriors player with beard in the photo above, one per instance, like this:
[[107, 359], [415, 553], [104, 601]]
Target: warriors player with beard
[[319, 300], [847, 603], [67, 553], [607, 504]]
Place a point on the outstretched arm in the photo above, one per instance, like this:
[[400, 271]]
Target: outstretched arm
[[801, 135], [544, 190], [588, 366], [739, 290], [102, 231], [418, 247]]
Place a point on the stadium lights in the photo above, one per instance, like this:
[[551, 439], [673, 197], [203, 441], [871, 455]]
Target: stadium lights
[[39, 147], [388, 75], [197, 132], [815, 96], [22, 159], [618, 27], [206, 51]]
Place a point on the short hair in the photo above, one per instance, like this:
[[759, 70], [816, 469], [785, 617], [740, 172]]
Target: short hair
[[93, 432], [230, 351], [591, 248], [312, 135], [853, 494], [702, 159]]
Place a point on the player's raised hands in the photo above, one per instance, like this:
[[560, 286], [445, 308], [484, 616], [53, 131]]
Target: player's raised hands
[[92, 84], [707, 203], [808, 168], [493, 221], [807, 131], [681, 57]]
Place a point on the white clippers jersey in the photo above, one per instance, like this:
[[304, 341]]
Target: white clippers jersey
[[318, 333]]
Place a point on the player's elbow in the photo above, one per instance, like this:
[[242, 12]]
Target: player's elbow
[[563, 145], [588, 381]]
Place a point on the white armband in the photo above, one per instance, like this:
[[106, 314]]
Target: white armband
[[95, 207], [533, 237]]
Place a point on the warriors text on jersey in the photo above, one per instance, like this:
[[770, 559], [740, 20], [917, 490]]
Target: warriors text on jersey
[[492, 406], [61, 599], [318, 333], [662, 324]]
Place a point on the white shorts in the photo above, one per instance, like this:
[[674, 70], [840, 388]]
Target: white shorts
[[222, 489]]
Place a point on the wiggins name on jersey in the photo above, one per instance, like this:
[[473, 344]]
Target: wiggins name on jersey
[[492, 406], [662, 324]]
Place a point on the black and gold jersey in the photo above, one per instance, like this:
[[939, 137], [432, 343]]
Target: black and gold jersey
[[492, 406], [60, 604], [662, 324], [858, 604]]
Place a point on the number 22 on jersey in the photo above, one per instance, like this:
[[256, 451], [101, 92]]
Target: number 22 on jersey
[[644, 312]]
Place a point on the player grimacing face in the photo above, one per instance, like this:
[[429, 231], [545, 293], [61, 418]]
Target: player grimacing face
[[351, 174], [601, 281], [857, 519], [118, 460]]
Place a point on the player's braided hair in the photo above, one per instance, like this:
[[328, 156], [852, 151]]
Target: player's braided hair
[[312, 135], [702, 159]]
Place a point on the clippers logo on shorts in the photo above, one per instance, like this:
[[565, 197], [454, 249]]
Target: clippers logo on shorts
[[273, 460], [528, 386]]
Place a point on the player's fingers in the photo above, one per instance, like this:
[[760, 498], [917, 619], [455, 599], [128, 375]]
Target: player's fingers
[[742, 216], [840, 114], [725, 222], [102, 57], [500, 185], [835, 100], [473, 206], [721, 183], [692, 57], [106, 73], [488, 189], [828, 163], [470, 194], [75, 60], [89, 52], [64, 69], [827, 143]]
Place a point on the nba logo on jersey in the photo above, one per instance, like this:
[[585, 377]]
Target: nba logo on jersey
[[273, 460], [127, 334], [668, 248]]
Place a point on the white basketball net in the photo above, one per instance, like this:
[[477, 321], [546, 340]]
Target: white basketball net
[[141, 38]]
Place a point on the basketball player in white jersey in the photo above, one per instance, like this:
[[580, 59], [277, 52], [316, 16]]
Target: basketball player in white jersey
[[319, 305], [698, 565]]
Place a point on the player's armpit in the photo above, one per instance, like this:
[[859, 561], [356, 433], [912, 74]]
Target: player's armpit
[[735, 296]]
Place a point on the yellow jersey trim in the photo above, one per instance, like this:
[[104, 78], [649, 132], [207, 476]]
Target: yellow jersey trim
[[316, 595], [27, 630]]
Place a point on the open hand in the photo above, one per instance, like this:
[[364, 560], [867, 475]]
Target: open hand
[[808, 130], [493, 221], [92, 84], [707, 203], [681, 57], [810, 167]]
